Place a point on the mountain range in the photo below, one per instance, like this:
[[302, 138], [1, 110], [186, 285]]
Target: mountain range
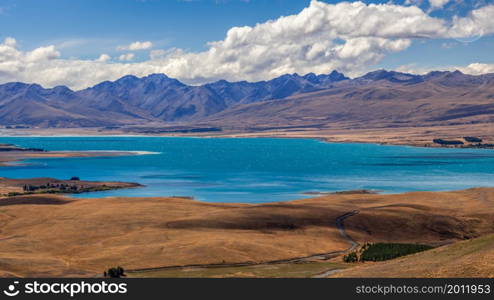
[[379, 98]]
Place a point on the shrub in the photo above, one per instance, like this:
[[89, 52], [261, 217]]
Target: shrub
[[13, 194], [446, 142], [30, 188], [472, 139], [117, 272], [75, 178], [350, 257]]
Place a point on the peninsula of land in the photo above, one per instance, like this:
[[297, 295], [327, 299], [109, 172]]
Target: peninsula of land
[[12, 154]]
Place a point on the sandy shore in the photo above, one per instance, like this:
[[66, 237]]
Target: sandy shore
[[16, 157], [410, 136]]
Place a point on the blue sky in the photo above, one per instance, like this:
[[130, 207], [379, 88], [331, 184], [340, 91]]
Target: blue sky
[[85, 29], [183, 24]]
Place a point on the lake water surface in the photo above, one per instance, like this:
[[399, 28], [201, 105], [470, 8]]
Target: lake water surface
[[257, 169]]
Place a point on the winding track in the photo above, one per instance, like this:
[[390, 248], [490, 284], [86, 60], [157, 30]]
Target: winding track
[[323, 256], [343, 233]]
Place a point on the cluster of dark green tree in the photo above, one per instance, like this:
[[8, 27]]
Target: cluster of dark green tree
[[447, 142], [54, 186], [383, 251], [116, 272]]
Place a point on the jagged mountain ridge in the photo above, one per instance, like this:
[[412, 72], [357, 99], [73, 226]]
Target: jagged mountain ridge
[[379, 99], [133, 100], [159, 99]]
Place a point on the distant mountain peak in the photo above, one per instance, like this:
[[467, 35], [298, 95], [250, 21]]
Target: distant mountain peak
[[34, 87], [392, 76], [337, 76], [435, 73], [222, 81], [285, 76], [378, 74], [334, 76], [157, 76], [127, 79], [61, 88], [312, 77]]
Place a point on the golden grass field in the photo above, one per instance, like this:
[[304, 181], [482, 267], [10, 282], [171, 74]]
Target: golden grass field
[[52, 235]]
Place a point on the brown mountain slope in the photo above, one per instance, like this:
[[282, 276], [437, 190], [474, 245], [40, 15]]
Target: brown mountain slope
[[30, 104], [379, 104]]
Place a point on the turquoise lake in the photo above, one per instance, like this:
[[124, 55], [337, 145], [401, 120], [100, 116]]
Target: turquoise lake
[[257, 169]]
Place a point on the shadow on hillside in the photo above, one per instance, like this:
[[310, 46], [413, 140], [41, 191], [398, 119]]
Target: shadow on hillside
[[32, 201]]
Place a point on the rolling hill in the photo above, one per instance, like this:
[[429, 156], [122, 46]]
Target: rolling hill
[[75, 237]]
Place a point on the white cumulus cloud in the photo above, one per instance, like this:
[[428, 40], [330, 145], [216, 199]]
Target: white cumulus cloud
[[478, 22], [136, 46], [349, 37], [437, 3], [126, 57], [478, 68], [104, 58], [41, 54]]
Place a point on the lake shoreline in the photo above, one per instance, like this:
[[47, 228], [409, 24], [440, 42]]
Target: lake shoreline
[[397, 136], [16, 155], [317, 138]]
